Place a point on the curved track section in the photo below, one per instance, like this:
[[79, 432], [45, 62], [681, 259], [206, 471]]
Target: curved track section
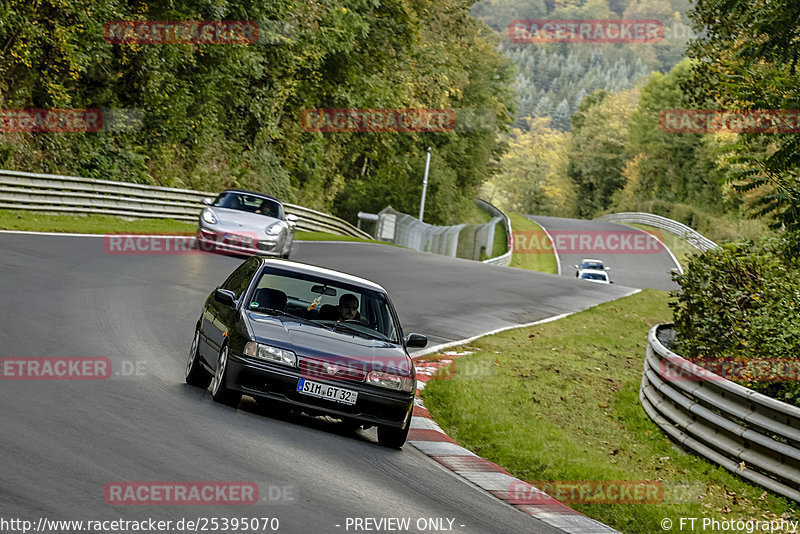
[[63, 441], [645, 264]]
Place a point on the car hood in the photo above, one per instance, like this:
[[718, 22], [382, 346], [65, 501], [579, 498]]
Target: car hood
[[245, 219], [329, 346]]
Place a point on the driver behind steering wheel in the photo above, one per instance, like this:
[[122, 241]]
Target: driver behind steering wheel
[[348, 308]]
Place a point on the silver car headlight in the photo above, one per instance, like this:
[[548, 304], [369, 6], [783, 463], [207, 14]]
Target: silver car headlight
[[274, 229], [209, 217], [391, 381], [270, 354]]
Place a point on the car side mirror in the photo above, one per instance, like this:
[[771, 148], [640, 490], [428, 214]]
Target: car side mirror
[[416, 340], [292, 218], [576, 267], [608, 268], [207, 201], [223, 296]]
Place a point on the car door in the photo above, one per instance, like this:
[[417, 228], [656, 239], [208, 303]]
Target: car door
[[218, 318]]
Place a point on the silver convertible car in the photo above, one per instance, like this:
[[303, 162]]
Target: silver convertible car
[[246, 222]]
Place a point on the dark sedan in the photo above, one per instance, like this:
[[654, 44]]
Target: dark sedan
[[319, 340]]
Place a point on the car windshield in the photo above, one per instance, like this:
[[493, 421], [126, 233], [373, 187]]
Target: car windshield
[[344, 307], [591, 265], [593, 276], [249, 203]]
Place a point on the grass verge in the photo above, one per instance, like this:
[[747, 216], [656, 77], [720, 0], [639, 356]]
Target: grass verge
[[559, 402], [322, 236], [104, 224], [90, 224], [533, 258]]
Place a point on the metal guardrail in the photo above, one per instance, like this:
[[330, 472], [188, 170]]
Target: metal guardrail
[[755, 436], [75, 195], [503, 259], [690, 235], [468, 241]]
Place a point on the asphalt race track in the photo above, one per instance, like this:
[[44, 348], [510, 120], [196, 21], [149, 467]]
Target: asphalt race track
[[62, 442], [644, 267]]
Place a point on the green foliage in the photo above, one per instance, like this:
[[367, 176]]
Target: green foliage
[[748, 60], [600, 149], [533, 178], [215, 116], [674, 167], [553, 79], [741, 302], [553, 83]]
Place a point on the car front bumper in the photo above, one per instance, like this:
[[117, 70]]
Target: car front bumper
[[241, 243], [376, 406]]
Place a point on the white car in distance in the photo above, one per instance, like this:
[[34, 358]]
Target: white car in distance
[[594, 275], [590, 264]]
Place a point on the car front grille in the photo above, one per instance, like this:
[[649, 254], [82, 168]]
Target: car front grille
[[322, 370]]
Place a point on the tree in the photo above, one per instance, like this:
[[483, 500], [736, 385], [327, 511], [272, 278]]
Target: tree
[[674, 167], [748, 59], [533, 177], [599, 149]]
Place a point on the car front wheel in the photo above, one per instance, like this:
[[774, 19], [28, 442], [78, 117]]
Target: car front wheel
[[394, 438], [196, 375], [219, 391]]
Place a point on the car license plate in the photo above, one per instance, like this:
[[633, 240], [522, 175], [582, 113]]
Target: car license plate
[[324, 391], [236, 240]]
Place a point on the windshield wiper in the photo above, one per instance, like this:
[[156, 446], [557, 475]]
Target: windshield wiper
[[344, 326], [264, 309]]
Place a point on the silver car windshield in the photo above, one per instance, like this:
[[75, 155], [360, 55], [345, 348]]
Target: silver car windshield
[[250, 204], [356, 310]]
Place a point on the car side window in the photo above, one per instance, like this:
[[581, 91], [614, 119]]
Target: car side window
[[239, 279]]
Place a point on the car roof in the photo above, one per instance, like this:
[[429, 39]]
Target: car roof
[[336, 276], [247, 192], [587, 260]]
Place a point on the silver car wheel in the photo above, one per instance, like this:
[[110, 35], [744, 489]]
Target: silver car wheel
[[219, 376]]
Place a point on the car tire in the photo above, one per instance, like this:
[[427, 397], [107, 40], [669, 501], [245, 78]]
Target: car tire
[[394, 438], [219, 390], [196, 375]]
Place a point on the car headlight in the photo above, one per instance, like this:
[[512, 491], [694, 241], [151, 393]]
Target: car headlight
[[271, 354], [274, 229], [391, 381], [209, 217]]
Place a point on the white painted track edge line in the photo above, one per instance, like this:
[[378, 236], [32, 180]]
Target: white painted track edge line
[[555, 250], [671, 255]]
